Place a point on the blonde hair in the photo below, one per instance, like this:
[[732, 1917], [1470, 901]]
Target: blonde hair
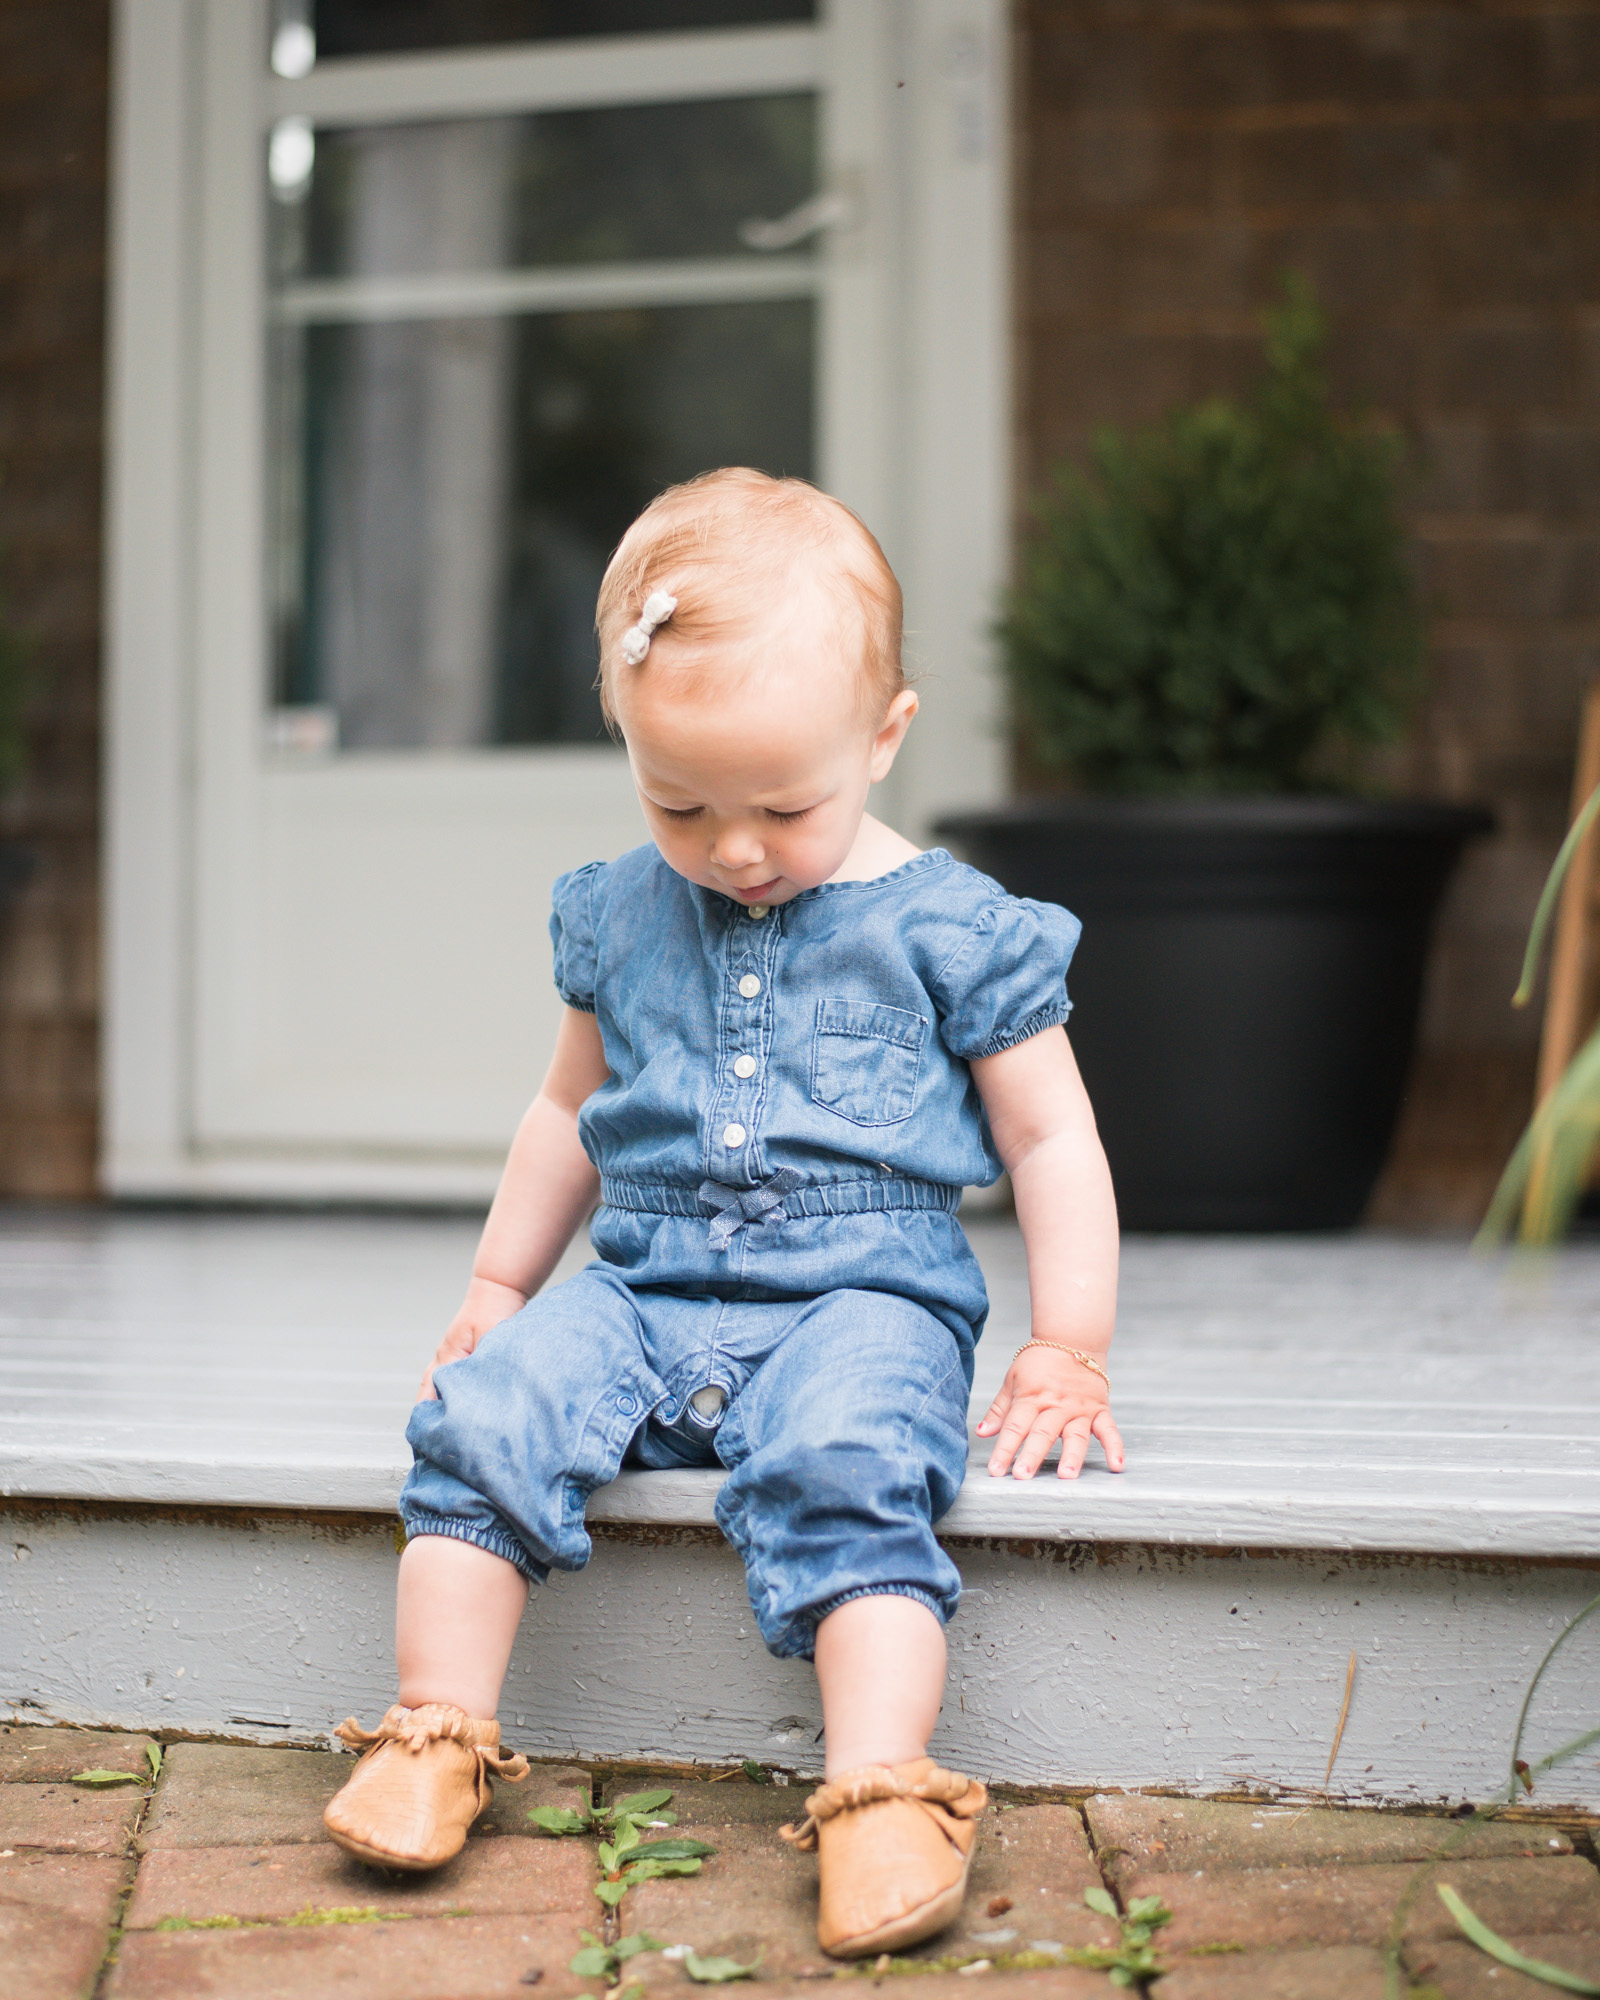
[[733, 547]]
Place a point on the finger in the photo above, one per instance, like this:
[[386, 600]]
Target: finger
[[1045, 1431], [994, 1416], [1074, 1445], [1012, 1432], [427, 1393], [1105, 1429]]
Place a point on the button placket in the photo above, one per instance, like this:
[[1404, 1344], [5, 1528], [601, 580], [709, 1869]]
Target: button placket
[[734, 1149]]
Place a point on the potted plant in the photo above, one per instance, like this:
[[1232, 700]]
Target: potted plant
[[1209, 629]]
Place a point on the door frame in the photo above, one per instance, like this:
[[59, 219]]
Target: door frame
[[943, 512]]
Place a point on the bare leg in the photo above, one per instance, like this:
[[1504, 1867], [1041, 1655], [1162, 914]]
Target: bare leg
[[881, 1668], [456, 1615]]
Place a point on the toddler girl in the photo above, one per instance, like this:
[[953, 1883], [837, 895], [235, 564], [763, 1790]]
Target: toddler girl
[[790, 1040]]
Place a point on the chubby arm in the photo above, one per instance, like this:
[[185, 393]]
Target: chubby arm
[[548, 1186], [1044, 1132]]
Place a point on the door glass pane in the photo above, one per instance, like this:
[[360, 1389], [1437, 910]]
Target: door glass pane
[[449, 479], [450, 491], [610, 185], [307, 29]]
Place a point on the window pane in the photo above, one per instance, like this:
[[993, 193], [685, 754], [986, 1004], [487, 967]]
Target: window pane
[[449, 491], [610, 185], [383, 27]]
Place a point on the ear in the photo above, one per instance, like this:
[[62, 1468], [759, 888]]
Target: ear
[[892, 733]]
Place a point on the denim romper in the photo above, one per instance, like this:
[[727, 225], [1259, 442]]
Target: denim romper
[[782, 1287]]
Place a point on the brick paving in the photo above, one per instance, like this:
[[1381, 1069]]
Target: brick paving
[[216, 1879]]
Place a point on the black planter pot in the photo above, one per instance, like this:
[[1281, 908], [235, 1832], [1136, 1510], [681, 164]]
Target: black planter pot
[[1246, 991]]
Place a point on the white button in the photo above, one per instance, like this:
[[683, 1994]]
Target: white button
[[759, 909], [750, 985], [733, 1135], [745, 1066]]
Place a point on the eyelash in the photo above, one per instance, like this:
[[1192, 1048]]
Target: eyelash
[[693, 812]]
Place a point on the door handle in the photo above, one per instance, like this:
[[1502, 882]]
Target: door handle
[[826, 210]]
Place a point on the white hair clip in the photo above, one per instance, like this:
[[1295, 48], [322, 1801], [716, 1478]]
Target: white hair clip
[[658, 608]]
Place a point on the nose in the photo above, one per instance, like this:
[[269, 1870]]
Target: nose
[[737, 847]]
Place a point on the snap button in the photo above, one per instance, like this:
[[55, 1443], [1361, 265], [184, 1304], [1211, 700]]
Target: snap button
[[626, 1405], [733, 1135], [750, 985], [759, 909], [744, 1066]]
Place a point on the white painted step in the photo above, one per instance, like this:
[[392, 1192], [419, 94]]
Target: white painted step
[[1429, 1422]]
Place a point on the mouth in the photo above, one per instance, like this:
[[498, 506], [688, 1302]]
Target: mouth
[[759, 893]]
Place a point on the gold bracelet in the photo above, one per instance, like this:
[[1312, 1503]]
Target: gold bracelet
[[1077, 1353]]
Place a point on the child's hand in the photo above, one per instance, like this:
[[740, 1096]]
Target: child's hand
[[485, 1306], [1047, 1395]]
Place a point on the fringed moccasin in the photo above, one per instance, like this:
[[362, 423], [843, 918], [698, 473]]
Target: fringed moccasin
[[893, 1845], [425, 1775]]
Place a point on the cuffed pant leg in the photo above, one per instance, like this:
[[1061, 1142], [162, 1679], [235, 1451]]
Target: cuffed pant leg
[[848, 1443], [530, 1423]]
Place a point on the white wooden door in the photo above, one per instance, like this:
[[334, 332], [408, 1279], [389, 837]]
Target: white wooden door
[[453, 313]]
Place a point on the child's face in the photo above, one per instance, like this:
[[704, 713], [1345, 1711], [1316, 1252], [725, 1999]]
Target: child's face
[[755, 785]]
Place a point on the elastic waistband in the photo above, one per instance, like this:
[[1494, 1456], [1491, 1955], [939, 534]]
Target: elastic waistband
[[857, 1197]]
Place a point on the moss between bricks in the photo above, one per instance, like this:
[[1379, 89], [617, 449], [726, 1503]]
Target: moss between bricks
[[350, 1914]]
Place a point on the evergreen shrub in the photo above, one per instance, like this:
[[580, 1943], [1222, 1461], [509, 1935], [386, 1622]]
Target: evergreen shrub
[[1224, 603]]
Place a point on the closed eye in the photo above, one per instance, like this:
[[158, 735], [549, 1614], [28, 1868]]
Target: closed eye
[[789, 819], [680, 812]]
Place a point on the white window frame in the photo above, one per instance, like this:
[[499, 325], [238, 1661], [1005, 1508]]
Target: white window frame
[[943, 509]]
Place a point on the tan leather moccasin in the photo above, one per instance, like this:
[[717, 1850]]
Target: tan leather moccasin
[[424, 1777], [893, 1846]]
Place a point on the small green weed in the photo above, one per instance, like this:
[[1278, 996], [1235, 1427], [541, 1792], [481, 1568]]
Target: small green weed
[[626, 1857], [1135, 1959], [202, 1924], [598, 1960], [107, 1778], [714, 1971], [758, 1774]]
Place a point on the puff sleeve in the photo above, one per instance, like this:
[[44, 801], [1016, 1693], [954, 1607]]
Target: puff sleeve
[[1007, 982], [572, 921]]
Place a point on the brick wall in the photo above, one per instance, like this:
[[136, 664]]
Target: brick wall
[[1434, 167], [52, 260]]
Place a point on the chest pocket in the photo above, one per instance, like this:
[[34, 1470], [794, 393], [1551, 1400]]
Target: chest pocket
[[865, 1059]]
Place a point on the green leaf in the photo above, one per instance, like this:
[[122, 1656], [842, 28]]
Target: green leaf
[[612, 1893], [1121, 1976], [152, 1753], [630, 1947], [1496, 1946], [608, 1857], [758, 1774], [634, 1990], [593, 1962], [1149, 1910], [675, 1848], [652, 1871], [1101, 1900], [107, 1778], [625, 1839], [714, 1971], [559, 1819], [636, 1802]]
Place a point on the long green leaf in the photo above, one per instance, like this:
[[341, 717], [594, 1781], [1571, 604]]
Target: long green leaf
[[1547, 900], [107, 1778], [1563, 1133], [1496, 1946], [637, 1802], [1554, 1647]]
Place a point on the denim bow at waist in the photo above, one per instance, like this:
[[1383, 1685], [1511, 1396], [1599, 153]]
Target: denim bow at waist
[[736, 1206], [784, 1197]]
